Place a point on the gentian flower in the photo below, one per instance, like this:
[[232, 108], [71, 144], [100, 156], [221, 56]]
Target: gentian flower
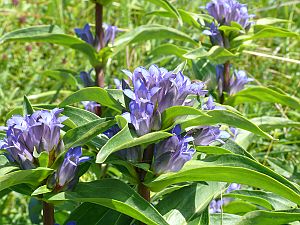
[[238, 81], [215, 35], [171, 154], [86, 35], [91, 106], [66, 174], [86, 79], [216, 205], [153, 92], [37, 132], [227, 11]]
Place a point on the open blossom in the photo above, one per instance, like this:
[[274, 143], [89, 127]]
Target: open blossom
[[171, 154], [66, 173], [227, 11], [39, 131], [155, 90], [86, 35]]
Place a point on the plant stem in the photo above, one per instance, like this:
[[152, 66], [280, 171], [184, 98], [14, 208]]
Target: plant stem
[[147, 158], [48, 213], [100, 37], [226, 82]]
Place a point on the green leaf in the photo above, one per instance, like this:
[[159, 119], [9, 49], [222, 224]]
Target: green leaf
[[265, 199], [169, 49], [223, 218], [54, 35], [125, 139], [224, 117], [27, 108], [33, 177], [96, 94], [169, 7], [41, 190], [212, 150], [217, 54], [269, 21], [169, 115], [263, 94], [94, 214], [261, 217], [148, 32], [115, 195], [84, 133], [79, 116], [64, 76], [271, 122], [189, 201], [230, 168]]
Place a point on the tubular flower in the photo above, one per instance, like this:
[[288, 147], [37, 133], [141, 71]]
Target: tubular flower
[[238, 81], [227, 11], [37, 132], [155, 90], [86, 35], [171, 154], [214, 35], [66, 174], [216, 205]]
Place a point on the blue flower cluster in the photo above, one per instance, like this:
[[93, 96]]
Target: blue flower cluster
[[28, 136]]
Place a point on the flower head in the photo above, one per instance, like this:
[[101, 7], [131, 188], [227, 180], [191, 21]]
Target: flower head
[[171, 154], [227, 11], [37, 132], [66, 173], [155, 90], [215, 35]]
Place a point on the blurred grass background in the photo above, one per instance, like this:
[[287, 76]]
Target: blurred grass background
[[21, 65]]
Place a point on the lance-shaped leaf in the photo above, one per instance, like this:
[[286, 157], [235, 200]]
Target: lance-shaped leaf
[[189, 201], [263, 94], [230, 168], [64, 76], [261, 217], [216, 54], [169, 7], [265, 199], [115, 195], [54, 35], [27, 107], [125, 139], [148, 32], [94, 214], [84, 133], [272, 122], [169, 115], [224, 117], [95, 94], [33, 177]]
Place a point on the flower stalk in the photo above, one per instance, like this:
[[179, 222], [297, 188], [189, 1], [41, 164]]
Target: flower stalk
[[226, 82]]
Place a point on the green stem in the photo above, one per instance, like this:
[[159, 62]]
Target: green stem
[[100, 36]]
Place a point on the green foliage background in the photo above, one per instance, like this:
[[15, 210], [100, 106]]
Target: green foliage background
[[22, 66]]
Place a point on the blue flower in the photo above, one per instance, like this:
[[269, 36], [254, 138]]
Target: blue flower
[[86, 35], [171, 154], [227, 11], [153, 92], [215, 35], [66, 173], [216, 205], [238, 81], [37, 132]]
